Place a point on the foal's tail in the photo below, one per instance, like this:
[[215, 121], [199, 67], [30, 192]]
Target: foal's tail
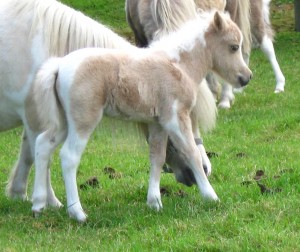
[[49, 110], [205, 109]]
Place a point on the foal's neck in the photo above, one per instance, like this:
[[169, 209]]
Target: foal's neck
[[195, 62]]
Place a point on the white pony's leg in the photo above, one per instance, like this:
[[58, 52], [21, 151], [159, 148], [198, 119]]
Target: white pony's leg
[[227, 96], [268, 48], [17, 183], [70, 157], [157, 150], [182, 137], [43, 193]]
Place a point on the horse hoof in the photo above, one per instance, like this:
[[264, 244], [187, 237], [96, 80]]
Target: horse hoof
[[224, 105], [155, 204], [277, 91], [77, 213]]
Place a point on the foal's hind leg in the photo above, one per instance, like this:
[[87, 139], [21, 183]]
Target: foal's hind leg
[[43, 193], [17, 183], [268, 48], [157, 153]]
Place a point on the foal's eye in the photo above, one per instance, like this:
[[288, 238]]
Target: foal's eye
[[234, 48]]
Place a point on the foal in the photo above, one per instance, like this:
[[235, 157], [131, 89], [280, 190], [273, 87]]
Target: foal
[[157, 86]]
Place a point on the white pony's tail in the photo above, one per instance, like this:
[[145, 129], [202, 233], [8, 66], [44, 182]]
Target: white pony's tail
[[266, 17], [244, 24], [49, 110], [205, 109], [171, 15]]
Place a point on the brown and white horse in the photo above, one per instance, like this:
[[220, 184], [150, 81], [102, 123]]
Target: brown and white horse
[[152, 19], [157, 86], [31, 31]]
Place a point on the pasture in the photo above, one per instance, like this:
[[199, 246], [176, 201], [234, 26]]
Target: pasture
[[259, 134]]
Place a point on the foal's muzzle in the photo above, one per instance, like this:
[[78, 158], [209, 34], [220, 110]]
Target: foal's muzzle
[[243, 80]]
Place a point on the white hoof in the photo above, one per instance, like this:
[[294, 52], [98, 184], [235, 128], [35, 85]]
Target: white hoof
[[210, 195], [76, 212], [154, 203], [224, 105], [278, 90]]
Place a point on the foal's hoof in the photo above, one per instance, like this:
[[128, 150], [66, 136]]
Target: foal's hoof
[[155, 203], [77, 213]]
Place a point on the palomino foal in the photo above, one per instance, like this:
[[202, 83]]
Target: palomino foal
[[158, 86]]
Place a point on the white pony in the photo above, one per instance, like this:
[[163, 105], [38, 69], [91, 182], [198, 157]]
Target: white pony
[[157, 86], [31, 31]]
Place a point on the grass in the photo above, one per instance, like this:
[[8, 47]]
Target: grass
[[260, 132]]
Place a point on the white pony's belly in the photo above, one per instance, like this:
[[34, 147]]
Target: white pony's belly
[[20, 58]]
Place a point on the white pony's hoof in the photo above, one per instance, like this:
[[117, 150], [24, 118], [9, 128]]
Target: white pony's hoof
[[224, 105], [76, 212], [155, 203], [278, 90]]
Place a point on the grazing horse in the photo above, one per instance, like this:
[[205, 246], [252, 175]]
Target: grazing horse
[[31, 31], [157, 86], [151, 19]]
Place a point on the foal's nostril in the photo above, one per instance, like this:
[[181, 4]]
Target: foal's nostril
[[244, 81]]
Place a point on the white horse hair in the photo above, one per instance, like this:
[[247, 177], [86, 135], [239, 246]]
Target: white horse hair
[[157, 86], [151, 19], [31, 31]]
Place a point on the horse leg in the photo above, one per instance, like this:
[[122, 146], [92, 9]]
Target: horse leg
[[17, 183], [268, 48], [196, 133], [213, 84], [157, 149], [182, 137], [43, 193], [227, 96]]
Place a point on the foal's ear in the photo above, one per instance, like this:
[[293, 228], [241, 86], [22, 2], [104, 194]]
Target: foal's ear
[[218, 21]]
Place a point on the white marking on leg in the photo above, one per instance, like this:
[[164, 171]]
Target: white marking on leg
[[227, 96], [70, 157], [268, 48]]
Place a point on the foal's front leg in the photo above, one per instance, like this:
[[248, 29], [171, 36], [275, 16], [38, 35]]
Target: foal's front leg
[[182, 137], [157, 152]]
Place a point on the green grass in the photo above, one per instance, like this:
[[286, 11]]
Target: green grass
[[260, 132]]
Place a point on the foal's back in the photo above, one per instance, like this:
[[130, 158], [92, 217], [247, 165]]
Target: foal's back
[[121, 84]]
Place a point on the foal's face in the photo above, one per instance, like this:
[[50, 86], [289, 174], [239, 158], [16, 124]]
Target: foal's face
[[225, 40]]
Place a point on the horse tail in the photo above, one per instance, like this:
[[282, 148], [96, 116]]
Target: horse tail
[[244, 24], [266, 18], [205, 109], [49, 110], [171, 15]]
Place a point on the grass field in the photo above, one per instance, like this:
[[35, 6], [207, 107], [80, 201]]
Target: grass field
[[260, 133]]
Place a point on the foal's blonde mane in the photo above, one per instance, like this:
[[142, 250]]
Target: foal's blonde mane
[[185, 37], [66, 30]]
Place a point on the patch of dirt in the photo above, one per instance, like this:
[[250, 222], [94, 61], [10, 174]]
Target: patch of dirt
[[260, 176], [92, 182], [111, 172]]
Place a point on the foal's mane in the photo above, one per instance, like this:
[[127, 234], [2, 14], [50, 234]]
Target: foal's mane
[[66, 30], [185, 37]]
